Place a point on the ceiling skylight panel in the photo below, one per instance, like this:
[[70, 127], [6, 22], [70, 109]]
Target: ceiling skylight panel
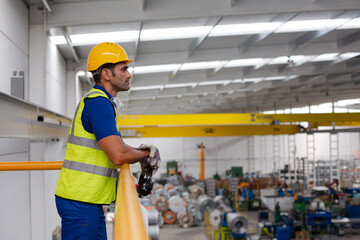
[[208, 83], [244, 62], [174, 33], [347, 102], [179, 85], [353, 24], [245, 80], [349, 55], [243, 29], [94, 38], [286, 59], [201, 65], [156, 68], [309, 25], [141, 88], [273, 78], [325, 57], [57, 40]]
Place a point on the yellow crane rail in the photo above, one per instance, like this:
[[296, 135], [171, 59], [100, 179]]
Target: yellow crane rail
[[233, 119]]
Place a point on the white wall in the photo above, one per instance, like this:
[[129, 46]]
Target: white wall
[[13, 42], [27, 198], [15, 191], [48, 73]]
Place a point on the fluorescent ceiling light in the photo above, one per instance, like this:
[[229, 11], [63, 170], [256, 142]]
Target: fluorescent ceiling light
[[201, 65], [156, 68], [57, 40], [94, 38], [245, 62], [355, 23], [325, 57], [244, 29], [174, 33], [147, 87], [309, 25]]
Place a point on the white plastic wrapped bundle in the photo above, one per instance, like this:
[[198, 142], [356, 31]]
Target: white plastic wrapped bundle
[[176, 204]]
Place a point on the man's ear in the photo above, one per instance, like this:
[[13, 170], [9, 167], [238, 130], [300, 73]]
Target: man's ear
[[105, 74]]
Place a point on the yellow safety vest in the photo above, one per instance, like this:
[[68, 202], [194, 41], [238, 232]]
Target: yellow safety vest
[[87, 174]]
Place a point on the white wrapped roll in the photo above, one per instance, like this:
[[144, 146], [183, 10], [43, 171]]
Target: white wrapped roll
[[153, 217], [214, 217], [154, 232], [236, 223], [176, 204]]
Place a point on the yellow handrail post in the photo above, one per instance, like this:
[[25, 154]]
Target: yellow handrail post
[[202, 165], [128, 222]]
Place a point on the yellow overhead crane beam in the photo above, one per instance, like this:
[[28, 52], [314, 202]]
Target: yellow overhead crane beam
[[233, 119], [209, 131], [227, 124]]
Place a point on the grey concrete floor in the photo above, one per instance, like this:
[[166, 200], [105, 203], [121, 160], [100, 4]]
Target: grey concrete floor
[[175, 232]]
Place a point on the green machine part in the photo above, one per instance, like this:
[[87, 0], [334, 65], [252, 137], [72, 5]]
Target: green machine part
[[236, 172], [171, 168]]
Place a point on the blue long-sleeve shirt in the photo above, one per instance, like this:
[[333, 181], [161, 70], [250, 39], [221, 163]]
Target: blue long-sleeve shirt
[[98, 116]]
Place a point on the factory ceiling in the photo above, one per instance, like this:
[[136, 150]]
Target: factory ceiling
[[207, 56]]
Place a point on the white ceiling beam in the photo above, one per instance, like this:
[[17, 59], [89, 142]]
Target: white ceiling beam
[[47, 5], [197, 42], [137, 41], [310, 36], [69, 43], [77, 13], [350, 39], [258, 37], [223, 54], [144, 4]]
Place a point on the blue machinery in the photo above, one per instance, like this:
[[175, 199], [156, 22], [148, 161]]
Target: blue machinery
[[232, 226]]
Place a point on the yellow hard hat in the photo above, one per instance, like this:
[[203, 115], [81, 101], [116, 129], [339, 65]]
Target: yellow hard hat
[[106, 52]]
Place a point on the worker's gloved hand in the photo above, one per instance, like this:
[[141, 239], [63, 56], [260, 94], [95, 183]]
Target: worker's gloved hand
[[151, 162]]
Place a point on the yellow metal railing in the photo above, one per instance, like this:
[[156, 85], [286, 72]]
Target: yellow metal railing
[[25, 166], [128, 223], [128, 220]]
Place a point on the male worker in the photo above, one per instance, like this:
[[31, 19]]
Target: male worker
[[277, 212], [95, 149]]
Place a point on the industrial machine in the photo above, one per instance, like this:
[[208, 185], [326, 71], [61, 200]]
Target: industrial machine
[[171, 168]]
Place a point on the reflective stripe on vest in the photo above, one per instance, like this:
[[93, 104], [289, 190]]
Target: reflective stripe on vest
[[89, 168]]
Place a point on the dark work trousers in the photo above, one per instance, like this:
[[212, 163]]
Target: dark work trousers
[[81, 221]]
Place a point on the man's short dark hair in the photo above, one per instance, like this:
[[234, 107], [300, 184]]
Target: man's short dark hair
[[97, 72]]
